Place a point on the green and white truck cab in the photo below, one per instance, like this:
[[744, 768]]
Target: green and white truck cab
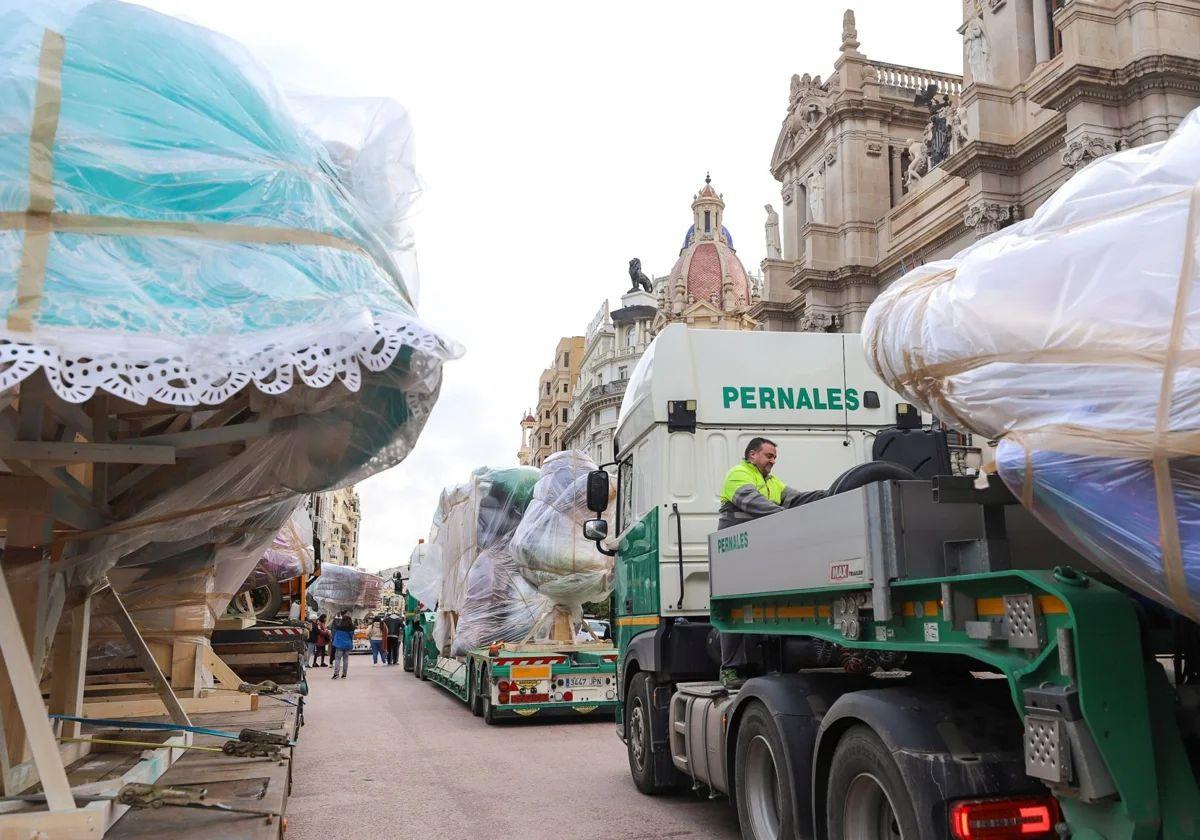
[[694, 400]]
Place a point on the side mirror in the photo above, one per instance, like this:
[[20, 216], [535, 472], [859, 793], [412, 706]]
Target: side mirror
[[595, 530], [597, 492]]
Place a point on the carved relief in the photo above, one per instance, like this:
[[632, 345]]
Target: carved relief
[[787, 193], [1086, 149], [830, 157], [814, 322], [958, 129], [989, 216], [874, 149]]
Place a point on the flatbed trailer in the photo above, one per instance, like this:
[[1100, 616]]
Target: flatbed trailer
[[516, 680]]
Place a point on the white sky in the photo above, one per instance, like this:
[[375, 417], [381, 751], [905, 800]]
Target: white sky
[[556, 141]]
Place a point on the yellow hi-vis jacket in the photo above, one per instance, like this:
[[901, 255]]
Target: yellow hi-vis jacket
[[746, 473]]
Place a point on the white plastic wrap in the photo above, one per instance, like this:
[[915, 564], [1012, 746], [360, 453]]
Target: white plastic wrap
[[498, 606], [346, 588], [549, 546], [290, 554], [1073, 338]]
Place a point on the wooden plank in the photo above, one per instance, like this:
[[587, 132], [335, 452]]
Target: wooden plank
[[85, 453], [28, 697], [117, 707], [226, 622], [221, 672], [134, 638], [259, 658], [70, 666], [196, 438], [186, 669]]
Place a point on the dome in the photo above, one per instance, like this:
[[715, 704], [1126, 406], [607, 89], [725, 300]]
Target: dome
[[690, 237], [703, 265]]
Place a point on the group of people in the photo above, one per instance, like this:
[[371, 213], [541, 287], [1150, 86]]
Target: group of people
[[336, 640]]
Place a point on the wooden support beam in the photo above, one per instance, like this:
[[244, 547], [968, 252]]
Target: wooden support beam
[[221, 672], [150, 706], [196, 438], [85, 453], [28, 700], [130, 631], [70, 667]]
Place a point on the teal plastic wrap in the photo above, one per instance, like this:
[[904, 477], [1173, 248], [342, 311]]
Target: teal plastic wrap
[[204, 232]]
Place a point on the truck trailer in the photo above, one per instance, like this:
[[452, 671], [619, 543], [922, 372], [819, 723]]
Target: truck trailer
[[933, 662]]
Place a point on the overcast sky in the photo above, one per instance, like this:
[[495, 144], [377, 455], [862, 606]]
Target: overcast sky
[[556, 140]]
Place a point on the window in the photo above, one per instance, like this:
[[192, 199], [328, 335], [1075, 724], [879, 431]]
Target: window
[[547, 387], [708, 221], [631, 337], [566, 360], [547, 438], [623, 372], [547, 414], [564, 415]]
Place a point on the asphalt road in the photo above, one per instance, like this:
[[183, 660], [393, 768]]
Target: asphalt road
[[384, 755]]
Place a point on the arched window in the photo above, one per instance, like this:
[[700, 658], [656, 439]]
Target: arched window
[[631, 336]]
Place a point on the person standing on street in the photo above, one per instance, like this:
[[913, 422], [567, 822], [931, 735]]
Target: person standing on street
[[377, 635], [343, 642], [316, 642], [393, 624]]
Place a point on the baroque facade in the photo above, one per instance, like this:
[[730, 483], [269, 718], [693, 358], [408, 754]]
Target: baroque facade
[[612, 346], [335, 515], [556, 388], [883, 167]]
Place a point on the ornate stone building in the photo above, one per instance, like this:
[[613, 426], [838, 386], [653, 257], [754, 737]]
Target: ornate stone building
[[556, 387], [884, 167], [708, 287], [614, 342], [335, 515]]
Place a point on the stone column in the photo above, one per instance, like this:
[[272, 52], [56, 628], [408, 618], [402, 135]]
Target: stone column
[[1041, 31], [896, 176]]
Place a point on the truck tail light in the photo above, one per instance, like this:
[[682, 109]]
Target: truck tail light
[[1024, 818], [568, 696]]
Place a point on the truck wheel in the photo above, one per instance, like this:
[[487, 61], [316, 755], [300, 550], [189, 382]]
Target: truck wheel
[[867, 798], [765, 800], [406, 654], [485, 699], [476, 691], [419, 655], [646, 766]]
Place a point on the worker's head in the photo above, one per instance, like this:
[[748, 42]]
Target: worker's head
[[761, 453], [323, 616]]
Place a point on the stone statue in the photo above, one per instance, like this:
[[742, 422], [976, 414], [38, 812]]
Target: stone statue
[[797, 89], [638, 277], [975, 46], [918, 163], [815, 187], [958, 128], [774, 251]]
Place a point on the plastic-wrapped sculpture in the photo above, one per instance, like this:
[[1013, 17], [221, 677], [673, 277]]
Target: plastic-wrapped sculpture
[[346, 588], [176, 233], [1073, 338], [549, 547]]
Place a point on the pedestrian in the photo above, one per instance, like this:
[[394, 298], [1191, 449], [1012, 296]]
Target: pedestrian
[[316, 641], [393, 625], [343, 642], [377, 634], [323, 644]]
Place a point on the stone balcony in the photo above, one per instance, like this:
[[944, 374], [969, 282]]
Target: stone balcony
[[901, 81]]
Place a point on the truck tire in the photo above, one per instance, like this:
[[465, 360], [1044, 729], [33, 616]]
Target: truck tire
[[406, 654], [419, 655], [866, 797], [475, 692], [648, 768], [485, 700], [763, 785]]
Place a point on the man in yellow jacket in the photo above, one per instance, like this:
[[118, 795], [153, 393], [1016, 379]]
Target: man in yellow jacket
[[748, 492]]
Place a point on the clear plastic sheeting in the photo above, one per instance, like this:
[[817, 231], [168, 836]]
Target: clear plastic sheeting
[[346, 588], [472, 519], [498, 604], [289, 556], [1076, 344], [549, 547], [202, 233]]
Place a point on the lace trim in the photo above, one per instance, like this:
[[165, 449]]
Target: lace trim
[[176, 380]]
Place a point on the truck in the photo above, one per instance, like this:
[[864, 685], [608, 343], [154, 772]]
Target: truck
[[933, 662], [561, 677]]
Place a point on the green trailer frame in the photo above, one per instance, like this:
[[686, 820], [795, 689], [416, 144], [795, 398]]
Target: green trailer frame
[[1092, 639]]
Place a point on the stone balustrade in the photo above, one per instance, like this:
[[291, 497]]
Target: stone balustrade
[[914, 79]]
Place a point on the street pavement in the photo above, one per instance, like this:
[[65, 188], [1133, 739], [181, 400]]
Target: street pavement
[[384, 755]]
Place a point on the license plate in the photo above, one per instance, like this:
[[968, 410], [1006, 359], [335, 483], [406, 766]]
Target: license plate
[[584, 682]]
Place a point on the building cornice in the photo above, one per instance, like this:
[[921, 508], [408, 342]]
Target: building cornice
[[1083, 82], [1007, 159]]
